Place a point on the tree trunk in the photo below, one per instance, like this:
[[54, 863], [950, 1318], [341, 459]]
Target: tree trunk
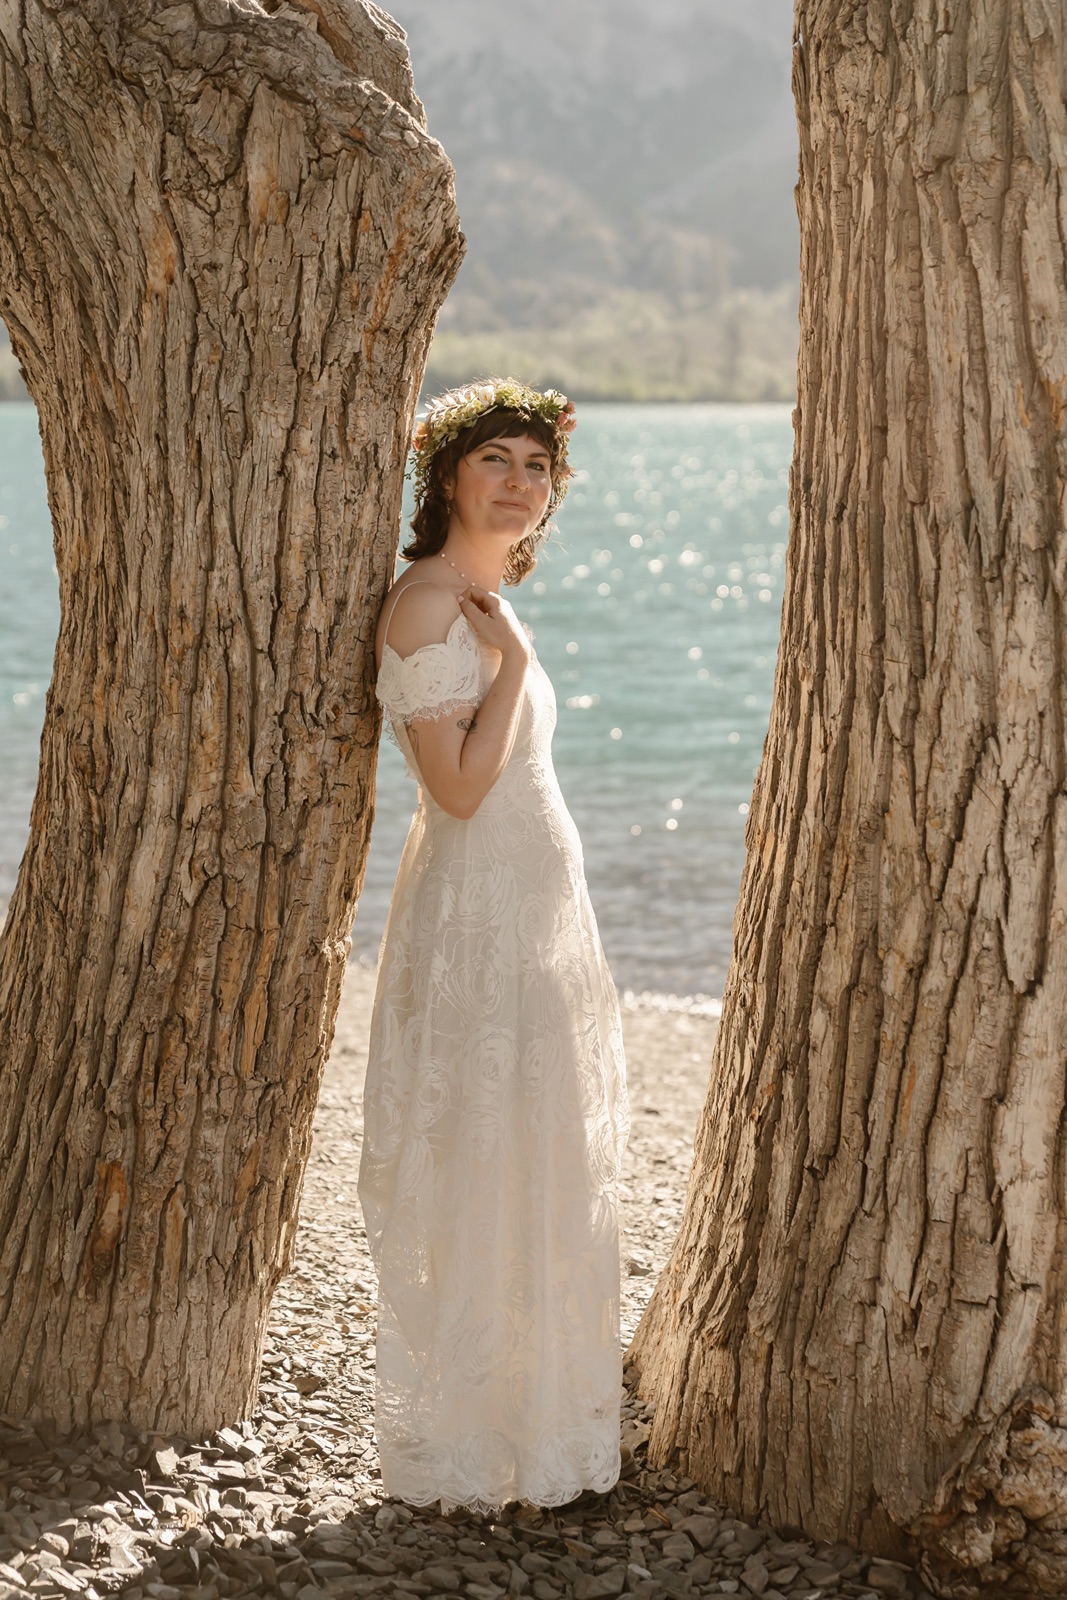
[[224, 237], [862, 1326]]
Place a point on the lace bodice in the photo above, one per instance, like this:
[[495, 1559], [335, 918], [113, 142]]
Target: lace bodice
[[452, 677]]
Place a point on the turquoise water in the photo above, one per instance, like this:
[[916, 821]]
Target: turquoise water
[[655, 611], [29, 617]]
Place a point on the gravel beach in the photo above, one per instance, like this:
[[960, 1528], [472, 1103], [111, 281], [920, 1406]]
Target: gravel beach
[[290, 1503]]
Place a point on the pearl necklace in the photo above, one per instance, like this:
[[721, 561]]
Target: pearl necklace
[[452, 564]]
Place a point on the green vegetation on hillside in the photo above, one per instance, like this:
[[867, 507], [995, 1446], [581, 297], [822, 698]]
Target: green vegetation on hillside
[[639, 347], [631, 346]]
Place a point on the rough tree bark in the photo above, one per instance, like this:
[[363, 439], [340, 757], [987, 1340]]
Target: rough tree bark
[[862, 1326], [224, 237]]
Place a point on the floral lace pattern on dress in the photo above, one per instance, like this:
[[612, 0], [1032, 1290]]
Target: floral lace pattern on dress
[[495, 1120], [433, 681]]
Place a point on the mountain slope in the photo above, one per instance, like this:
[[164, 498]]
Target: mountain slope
[[625, 177], [625, 173]]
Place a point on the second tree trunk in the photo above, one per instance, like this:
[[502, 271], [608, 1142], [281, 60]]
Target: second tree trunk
[[862, 1327]]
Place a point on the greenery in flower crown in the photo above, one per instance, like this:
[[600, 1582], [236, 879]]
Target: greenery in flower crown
[[449, 413]]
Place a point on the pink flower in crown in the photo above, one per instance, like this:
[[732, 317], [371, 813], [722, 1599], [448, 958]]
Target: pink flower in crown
[[567, 420], [420, 436]]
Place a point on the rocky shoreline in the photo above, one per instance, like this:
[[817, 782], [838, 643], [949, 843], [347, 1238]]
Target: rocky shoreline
[[290, 1502]]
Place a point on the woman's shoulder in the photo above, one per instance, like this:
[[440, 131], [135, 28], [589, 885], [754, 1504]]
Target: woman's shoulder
[[416, 612], [428, 655]]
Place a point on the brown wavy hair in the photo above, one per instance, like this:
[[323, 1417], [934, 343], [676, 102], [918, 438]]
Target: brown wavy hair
[[430, 521]]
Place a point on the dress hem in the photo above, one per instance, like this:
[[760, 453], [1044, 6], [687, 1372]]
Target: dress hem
[[487, 1507]]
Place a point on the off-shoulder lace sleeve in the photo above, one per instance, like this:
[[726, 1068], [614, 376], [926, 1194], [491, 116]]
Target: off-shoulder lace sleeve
[[434, 681]]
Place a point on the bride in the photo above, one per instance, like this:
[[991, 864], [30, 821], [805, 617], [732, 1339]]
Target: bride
[[495, 1105]]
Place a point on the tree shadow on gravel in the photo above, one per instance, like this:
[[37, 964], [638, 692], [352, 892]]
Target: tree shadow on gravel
[[113, 1511]]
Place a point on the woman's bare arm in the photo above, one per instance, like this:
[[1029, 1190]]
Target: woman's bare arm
[[461, 755]]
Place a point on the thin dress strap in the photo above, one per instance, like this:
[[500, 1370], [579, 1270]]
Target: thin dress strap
[[412, 585]]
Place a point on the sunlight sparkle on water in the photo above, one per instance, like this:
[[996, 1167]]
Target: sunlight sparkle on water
[[667, 668]]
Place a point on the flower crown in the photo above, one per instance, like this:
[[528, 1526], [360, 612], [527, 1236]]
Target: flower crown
[[449, 413]]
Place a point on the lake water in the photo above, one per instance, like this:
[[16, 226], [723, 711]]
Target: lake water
[[655, 612]]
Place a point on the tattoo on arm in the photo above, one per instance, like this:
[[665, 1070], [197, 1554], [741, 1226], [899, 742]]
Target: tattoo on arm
[[468, 724]]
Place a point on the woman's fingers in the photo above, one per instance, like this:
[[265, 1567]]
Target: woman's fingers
[[483, 601], [473, 612]]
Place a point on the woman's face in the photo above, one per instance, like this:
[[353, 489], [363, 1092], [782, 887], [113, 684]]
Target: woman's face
[[502, 488]]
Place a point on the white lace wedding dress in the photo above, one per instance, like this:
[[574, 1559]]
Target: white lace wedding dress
[[495, 1120]]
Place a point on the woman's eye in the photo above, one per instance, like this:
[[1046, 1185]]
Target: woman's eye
[[531, 466]]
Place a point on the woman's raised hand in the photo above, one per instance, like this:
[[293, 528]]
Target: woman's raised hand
[[494, 621]]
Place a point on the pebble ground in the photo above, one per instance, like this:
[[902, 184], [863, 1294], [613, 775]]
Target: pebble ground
[[289, 1503]]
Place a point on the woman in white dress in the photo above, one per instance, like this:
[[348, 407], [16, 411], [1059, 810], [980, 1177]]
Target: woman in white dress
[[495, 1106]]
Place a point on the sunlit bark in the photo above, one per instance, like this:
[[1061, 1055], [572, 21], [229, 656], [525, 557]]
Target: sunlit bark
[[224, 237], [862, 1327]]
